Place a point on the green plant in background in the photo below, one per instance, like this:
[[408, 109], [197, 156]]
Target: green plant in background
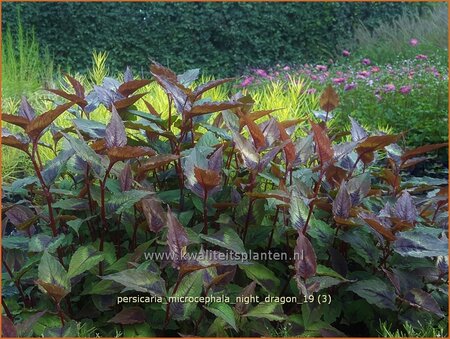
[[391, 40], [227, 36], [99, 70], [25, 65]]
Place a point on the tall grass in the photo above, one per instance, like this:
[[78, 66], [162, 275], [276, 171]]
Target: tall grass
[[26, 68], [390, 40], [25, 65]]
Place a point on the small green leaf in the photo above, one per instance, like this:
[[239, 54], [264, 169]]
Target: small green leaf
[[138, 280], [270, 311], [226, 238], [84, 259], [223, 311]]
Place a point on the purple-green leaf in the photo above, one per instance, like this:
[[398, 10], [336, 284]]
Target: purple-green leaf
[[342, 202], [405, 208], [25, 109], [177, 238], [115, 135], [126, 178], [305, 258]]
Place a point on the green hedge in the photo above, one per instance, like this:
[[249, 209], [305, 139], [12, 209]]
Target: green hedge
[[223, 38]]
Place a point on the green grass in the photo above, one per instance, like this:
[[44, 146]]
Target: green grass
[[430, 330]]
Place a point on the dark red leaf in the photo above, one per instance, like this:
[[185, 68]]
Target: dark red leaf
[[420, 150], [323, 144], [12, 141], [258, 137], [37, 125], [115, 135], [15, 120], [151, 109], [376, 142], [289, 148], [128, 316], [305, 257], [128, 152], [154, 214], [127, 102], [78, 88], [208, 179], [329, 99], [71, 97], [55, 291], [132, 86], [377, 226], [157, 161], [209, 85], [168, 80], [211, 107], [177, 238]]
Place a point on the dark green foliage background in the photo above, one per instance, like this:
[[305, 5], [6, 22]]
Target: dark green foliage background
[[224, 38]]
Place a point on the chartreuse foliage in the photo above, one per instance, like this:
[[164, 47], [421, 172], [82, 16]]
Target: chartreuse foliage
[[366, 242]]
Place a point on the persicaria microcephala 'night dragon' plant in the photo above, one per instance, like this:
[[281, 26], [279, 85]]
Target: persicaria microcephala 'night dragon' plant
[[217, 177]]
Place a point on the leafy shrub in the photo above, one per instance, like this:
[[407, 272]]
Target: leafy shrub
[[366, 242], [227, 36]]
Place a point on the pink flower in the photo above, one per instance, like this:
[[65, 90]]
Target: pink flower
[[366, 61], [349, 87], [286, 68], [311, 91], [421, 57], [375, 69], [405, 89], [345, 53], [363, 74], [321, 68], [261, 73], [338, 80], [413, 42], [314, 77], [247, 81], [389, 88]]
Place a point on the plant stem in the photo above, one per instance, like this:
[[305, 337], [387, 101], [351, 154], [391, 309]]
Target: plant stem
[[16, 283], [48, 197], [273, 230], [205, 213], [103, 214], [311, 204], [252, 180], [7, 311], [60, 313], [175, 289]]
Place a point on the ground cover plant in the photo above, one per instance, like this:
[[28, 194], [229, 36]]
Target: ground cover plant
[[192, 179]]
